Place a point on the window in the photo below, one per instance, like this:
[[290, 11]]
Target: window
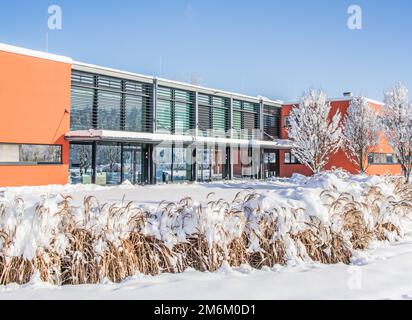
[[108, 164], [269, 158], [271, 122], [30, 154], [80, 168], [290, 158], [382, 158], [286, 121]]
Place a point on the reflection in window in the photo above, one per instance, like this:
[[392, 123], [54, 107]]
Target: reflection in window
[[290, 158], [163, 161], [109, 110], [81, 114], [81, 170], [382, 158], [134, 113], [181, 165], [108, 164]]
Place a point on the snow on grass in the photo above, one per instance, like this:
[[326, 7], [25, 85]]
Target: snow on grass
[[89, 234]]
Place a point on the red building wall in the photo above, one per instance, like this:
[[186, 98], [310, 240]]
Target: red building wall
[[340, 159]]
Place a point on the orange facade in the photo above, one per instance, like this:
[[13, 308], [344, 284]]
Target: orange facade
[[34, 109], [340, 159]]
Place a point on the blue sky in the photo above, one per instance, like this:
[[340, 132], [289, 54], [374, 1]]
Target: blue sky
[[272, 48]]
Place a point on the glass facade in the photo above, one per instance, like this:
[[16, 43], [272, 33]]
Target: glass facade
[[116, 104], [173, 163], [211, 163]]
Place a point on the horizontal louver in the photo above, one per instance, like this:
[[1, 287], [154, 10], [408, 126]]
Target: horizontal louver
[[248, 115], [85, 79], [204, 120], [81, 115], [110, 103], [109, 110], [174, 111], [213, 115], [164, 122]]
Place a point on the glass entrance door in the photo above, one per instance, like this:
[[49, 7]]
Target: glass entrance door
[[270, 163], [132, 164]]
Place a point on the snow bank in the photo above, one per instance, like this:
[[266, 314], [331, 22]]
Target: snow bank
[[289, 221]]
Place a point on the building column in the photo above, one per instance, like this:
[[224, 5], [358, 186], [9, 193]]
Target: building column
[[122, 163], [94, 162], [154, 105], [195, 165], [262, 137], [230, 155]]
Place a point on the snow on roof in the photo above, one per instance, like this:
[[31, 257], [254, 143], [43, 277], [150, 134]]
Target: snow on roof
[[287, 103], [33, 53]]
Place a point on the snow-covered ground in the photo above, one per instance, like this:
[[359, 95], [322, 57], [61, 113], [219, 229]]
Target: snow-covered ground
[[379, 273]]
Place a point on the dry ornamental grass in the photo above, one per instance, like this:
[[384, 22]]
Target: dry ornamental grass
[[114, 241]]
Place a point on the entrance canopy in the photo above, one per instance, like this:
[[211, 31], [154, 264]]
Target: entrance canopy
[[156, 138]]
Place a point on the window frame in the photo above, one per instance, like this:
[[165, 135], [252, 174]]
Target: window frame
[[292, 159], [380, 155]]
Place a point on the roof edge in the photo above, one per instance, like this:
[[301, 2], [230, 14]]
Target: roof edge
[[35, 54], [342, 99]]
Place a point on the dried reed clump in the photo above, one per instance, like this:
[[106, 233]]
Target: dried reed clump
[[322, 244], [93, 242]]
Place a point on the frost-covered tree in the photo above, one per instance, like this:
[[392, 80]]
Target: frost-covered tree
[[315, 134], [396, 123], [360, 131]]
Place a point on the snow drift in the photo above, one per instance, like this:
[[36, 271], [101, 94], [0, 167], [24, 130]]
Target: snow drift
[[323, 218]]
